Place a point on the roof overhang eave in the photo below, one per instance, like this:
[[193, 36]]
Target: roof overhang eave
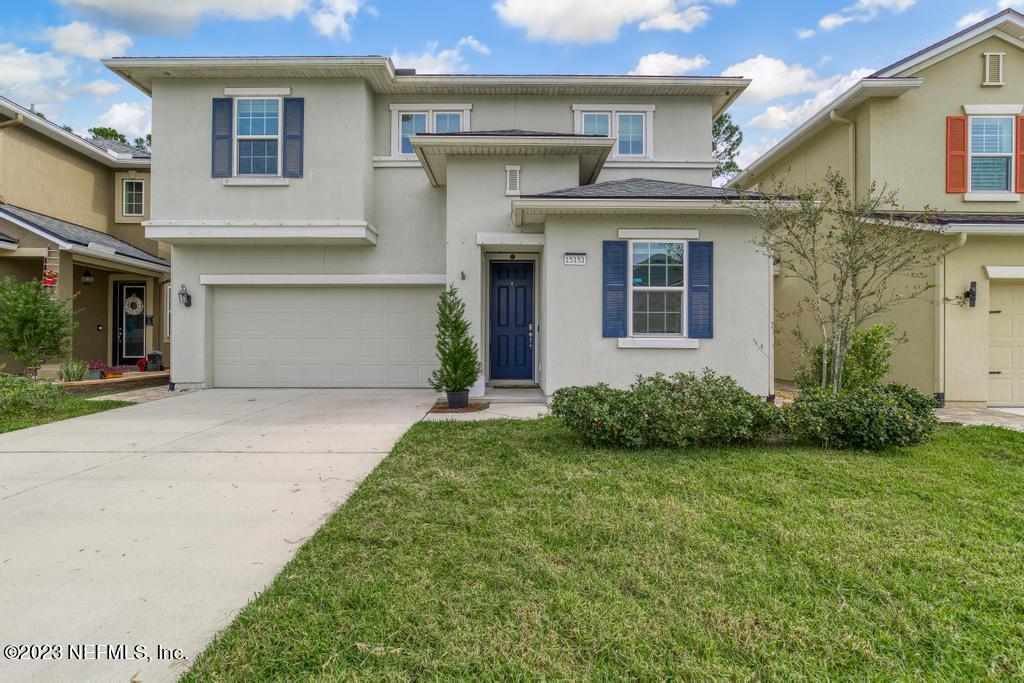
[[536, 209]]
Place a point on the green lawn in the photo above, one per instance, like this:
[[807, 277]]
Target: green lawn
[[71, 405], [503, 550]]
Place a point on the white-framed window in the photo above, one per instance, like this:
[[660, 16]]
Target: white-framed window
[[257, 136], [415, 119], [133, 192], [631, 125], [657, 289], [990, 149], [993, 68], [168, 294]]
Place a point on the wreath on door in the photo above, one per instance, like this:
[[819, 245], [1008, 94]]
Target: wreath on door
[[133, 305]]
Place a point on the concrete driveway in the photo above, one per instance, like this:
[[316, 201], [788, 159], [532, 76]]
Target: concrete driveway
[[153, 525]]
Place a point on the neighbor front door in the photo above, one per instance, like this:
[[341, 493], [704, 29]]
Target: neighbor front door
[[511, 320], [129, 322]]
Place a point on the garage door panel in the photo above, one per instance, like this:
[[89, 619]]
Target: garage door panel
[[314, 337]]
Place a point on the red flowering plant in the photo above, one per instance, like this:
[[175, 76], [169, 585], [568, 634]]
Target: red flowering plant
[[142, 364]]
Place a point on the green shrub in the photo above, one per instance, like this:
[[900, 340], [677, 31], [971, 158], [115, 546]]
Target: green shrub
[[667, 412], [866, 364], [865, 418], [34, 326], [19, 395], [73, 370], [457, 352]]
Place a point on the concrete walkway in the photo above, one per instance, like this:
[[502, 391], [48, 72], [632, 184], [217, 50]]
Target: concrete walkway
[[152, 525], [1011, 418]]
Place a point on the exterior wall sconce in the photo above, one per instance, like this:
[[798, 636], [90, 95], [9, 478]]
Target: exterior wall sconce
[[87, 277], [184, 297], [971, 295]]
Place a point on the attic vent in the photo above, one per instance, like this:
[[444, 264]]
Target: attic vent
[[512, 180], [993, 68]]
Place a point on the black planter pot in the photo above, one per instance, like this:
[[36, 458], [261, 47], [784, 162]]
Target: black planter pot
[[458, 399]]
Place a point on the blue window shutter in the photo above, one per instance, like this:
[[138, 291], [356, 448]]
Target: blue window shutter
[[700, 290], [294, 112], [221, 145], [614, 296]]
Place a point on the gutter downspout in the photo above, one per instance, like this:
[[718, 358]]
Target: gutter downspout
[[853, 148], [941, 303]]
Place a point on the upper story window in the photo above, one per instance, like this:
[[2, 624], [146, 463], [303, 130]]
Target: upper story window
[[415, 119], [991, 153], [257, 132], [657, 285], [132, 197], [630, 124]]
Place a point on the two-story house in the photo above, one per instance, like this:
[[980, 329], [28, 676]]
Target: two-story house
[[943, 127], [73, 208], [317, 206]]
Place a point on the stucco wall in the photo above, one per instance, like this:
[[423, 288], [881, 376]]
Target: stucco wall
[[337, 155], [576, 352]]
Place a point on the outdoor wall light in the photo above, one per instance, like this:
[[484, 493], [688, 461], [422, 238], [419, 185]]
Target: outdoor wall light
[[971, 295], [87, 277], [184, 297]]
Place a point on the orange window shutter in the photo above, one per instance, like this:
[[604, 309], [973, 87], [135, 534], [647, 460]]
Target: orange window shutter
[[1019, 155], [956, 154]]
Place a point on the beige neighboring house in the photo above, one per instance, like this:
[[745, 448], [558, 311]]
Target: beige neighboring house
[[944, 127], [75, 207], [317, 205]]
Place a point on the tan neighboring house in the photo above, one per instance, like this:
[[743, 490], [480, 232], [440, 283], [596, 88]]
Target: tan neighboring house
[[75, 207], [944, 127]]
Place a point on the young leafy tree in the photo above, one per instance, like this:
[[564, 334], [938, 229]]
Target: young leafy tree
[[108, 133], [34, 327], [726, 138], [143, 143], [857, 258], [457, 351]]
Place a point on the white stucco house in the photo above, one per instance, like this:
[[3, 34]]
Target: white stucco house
[[317, 205]]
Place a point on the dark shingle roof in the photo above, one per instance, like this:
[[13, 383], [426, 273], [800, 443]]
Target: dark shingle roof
[[644, 188], [120, 148], [511, 133], [77, 234], [944, 219]]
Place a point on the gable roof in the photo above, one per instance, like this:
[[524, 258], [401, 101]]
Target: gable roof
[[71, 235], [645, 188], [103, 151], [382, 77], [891, 81]]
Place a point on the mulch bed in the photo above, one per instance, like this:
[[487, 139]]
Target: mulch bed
[[473, 407]]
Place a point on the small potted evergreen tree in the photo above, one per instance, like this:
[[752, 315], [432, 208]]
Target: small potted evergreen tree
[[457, 351]]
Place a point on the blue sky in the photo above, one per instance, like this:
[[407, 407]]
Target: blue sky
[[801, 54]]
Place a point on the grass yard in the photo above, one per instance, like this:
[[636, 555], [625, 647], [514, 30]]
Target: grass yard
[[20, 408], [504, 550]]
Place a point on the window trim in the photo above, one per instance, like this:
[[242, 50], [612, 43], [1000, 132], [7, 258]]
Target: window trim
[[1011, 155], [235, 137], [124, 197], [683, 289], [614, 110], [431, 109]]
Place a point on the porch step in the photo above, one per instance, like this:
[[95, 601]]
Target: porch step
[[514, 395]]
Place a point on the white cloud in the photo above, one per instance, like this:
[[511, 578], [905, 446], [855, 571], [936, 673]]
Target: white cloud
[[84, 40], [32, 77], [667, 64], [132, 119], [435, 61], [971, 18], [101, 88], [804, 33], [329, 17], [772, 78], [584, 22], [787, 116], [863, 11]]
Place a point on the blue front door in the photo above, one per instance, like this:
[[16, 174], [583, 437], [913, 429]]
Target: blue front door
[[512, 320]]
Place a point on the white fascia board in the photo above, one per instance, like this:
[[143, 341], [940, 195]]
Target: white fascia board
[[654, 234], [1005, 272], [863, 90], [325, 280], [993, 109], [254, 92], [965, 39], [502, 239], [104, 255]]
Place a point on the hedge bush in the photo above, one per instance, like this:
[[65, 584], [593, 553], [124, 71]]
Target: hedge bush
[[19, 394], [867, 417], [659, 411]]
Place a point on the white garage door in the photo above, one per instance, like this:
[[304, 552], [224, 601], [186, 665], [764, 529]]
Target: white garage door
[[1006, 345], [323, 336]]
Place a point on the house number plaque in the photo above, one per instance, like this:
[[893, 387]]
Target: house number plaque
[[575, 259]]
